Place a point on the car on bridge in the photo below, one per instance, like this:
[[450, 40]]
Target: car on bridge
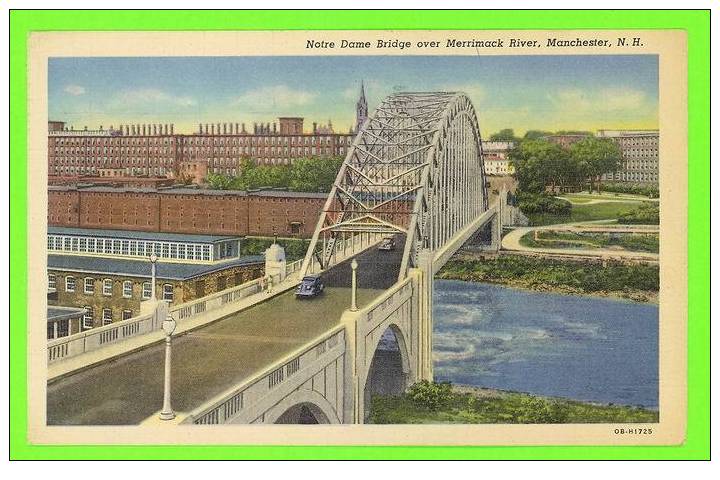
[[387, 244], [310, 286]]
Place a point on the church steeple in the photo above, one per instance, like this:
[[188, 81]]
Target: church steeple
[[361, 108]]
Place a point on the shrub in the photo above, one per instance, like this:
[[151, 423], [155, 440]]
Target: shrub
[[635, 189], [430, 395], [539, 410], [645, 214], [533, 203]]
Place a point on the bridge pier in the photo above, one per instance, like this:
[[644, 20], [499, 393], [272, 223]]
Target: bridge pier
[[425, 324]]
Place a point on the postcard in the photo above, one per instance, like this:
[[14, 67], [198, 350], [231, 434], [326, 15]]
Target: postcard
[[358, 237]]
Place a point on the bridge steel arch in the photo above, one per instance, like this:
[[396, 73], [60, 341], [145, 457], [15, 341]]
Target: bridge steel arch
[[415, 168]]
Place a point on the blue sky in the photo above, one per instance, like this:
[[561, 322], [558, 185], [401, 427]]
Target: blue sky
[[520, 92]]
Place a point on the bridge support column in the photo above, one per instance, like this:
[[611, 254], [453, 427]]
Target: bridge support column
[[425, 332], [353, 411]]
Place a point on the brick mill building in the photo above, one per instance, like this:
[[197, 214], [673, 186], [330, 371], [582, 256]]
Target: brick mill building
[[186, 210], [156, 150]]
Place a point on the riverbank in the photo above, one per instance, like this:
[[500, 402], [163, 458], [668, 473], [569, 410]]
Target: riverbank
[[636, 282], [434, 403]]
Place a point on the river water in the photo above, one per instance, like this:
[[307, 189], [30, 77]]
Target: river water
[[583, 348]]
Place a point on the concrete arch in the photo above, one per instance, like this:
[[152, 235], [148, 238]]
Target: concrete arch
[[402, 345], [318, 405], [392, 383]]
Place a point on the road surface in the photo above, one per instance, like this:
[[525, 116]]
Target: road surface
[[211, 359]]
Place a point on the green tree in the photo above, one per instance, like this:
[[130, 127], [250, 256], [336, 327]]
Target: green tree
[[595, 157], [504, 135], [535, 134], [539, 163], [313, 174]]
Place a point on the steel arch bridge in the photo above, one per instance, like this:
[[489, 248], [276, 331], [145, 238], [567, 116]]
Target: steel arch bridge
[[415, 168]]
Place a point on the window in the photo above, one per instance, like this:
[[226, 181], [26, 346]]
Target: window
[[146, 290], [168, 293], [126, 314], [107, 287], [107, 316], [89, 286], [87, 321], [127, 289], [51, 281]]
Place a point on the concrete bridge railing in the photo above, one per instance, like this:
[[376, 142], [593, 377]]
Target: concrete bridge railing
[[252, 399], [190, 309], [100, 337], [82, 342]]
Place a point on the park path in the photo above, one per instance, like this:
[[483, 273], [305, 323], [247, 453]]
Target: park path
[[511, 241]]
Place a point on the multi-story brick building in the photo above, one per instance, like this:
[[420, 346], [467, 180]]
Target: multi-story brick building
[[107, 272], [186, 210], [640, 155], [156, 150]]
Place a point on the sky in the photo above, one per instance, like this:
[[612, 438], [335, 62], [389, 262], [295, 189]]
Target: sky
[[520, 92]]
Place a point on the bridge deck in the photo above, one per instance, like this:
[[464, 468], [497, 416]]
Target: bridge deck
[[211, 359]]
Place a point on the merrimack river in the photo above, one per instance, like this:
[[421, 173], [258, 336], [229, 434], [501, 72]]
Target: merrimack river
[[577, 347]]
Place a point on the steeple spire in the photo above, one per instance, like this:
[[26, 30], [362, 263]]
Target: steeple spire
[[361, 108]]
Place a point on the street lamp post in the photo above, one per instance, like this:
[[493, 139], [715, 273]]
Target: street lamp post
[[168, 327], [353, 298], [153, 261]]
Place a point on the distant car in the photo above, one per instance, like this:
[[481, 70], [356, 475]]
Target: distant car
[[387, 244], [311, 286]]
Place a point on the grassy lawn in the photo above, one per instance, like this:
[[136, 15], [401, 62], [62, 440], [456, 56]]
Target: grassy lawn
[[585, 196], [469, 405], [626, 241], [638, 282], [585, 213]]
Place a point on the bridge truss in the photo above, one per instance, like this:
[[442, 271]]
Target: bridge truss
[[415, 168]]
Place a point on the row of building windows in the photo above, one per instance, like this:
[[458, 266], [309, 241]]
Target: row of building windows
[[209, 140], [105, 150], [107, 317], [63, 170], [105, 160], [129, 248], [107, 287]]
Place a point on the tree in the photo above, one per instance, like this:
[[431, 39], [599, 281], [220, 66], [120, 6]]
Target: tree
[[539, 163], [595, 157], [504, 135], [314, 174], [536, 134]]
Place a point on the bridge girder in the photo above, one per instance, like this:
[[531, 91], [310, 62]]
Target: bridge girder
[[415, 167]]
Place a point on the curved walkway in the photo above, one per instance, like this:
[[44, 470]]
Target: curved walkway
[[511, 241]]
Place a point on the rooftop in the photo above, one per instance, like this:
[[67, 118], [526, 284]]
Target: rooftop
[[141, 268], [189, 191], [63, 313], [137, 235]]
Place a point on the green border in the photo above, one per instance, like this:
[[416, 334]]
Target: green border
[[697, 25]]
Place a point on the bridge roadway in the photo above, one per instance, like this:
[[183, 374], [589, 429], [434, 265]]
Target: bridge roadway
[[211, 359]]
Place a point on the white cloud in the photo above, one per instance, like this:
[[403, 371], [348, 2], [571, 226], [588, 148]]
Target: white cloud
[[476, 91], [273, 97], [604, 100], [74, 90], [147, 96]]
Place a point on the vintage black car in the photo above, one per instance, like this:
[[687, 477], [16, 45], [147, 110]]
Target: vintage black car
[[311, 286], [387, 244]]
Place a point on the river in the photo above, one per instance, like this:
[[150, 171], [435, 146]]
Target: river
[[584, 348]]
